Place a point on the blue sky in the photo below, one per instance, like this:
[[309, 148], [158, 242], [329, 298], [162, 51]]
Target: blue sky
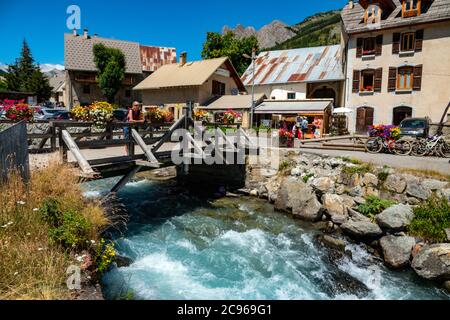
[[179, 24]]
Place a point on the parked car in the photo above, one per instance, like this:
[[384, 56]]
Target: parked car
[[120, 115], [415, 127], [63, 115], [46, 113]]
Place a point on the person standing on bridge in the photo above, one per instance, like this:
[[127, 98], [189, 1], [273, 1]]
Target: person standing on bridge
[[135, 115]]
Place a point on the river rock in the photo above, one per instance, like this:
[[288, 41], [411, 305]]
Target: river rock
[[299, 198], [335, 206], [371, 191], [356, 191], [340, 189], [415, 189], [122, 261], [444, 193], [323, 184], [433, 262], [395, 218], [361, 229], [395, 183], [296, 172], [355, 180], [370, 180], [332, 242], [446, 286], [397, 250]]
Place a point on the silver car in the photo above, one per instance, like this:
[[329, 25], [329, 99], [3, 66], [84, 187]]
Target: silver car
[[47, 114]]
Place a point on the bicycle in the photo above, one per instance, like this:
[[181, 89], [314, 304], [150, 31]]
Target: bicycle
[[378, 144], [433, 145]]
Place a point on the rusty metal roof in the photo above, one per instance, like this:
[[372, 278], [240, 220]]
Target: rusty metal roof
[[314, 64]]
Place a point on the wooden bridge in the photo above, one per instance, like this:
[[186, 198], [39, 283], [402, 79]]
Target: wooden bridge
[[148, 147]]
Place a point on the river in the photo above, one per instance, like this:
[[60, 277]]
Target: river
[[190, 246]]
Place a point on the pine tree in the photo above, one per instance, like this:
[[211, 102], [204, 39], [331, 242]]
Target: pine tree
[[25, 76]]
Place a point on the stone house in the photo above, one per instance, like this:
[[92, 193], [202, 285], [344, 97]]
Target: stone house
[[81, 85], [397, 60], [200, 82]]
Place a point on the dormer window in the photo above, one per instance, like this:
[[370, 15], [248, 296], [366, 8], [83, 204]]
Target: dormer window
[[373, 14], [411, 8]]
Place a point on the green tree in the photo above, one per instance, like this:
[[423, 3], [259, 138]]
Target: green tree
[[227, 45], [25, 76], [3, 85], [110, 63]]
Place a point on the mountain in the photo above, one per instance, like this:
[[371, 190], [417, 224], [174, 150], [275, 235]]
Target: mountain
[[47, 68], [3, 68], [318, 30], [268, 36]]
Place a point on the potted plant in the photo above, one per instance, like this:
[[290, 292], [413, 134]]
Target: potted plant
[[230, 117], [285, 137], [18, 110]]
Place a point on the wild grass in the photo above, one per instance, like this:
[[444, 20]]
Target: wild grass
[[425, 173], [31, 265], [360, 169]]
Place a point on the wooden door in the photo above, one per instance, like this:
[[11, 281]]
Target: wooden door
[[364, 119]]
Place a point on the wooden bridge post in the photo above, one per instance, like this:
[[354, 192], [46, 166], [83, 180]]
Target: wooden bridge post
[[62, 145], [53, 138]]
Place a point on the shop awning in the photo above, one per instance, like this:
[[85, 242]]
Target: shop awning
[[294, 107]]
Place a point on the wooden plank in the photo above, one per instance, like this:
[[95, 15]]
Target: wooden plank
[[103, 143], [144, 163], [334, 138], [81, 160], [14, 151], [125, 179], [148, 153], [168, 134]]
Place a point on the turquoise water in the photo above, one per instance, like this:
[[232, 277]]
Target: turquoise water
[[184, 246]]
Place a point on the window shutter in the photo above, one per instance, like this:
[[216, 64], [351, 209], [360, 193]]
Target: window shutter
[[419, 40], [417, 78], [379, 45], [396, 43], [392, 82], [356, 76], [359, 47], [378, 80]]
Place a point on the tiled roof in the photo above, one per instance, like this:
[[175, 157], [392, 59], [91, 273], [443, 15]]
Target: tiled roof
[[296, 65], [352, 18], [78, 53], [234, 102], [56, 82], [193, 73]]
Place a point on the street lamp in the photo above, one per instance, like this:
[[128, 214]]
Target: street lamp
[[253, 58]]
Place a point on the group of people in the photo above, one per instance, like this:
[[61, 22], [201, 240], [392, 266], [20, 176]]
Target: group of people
[[302, 126]]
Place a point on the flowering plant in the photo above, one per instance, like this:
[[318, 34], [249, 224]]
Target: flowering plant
[[231, 116], [158, 115], [17, 110], [100, 113], [283, 133], [201, 115], [384, 131]]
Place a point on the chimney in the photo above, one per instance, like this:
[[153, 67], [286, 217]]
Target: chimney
[[75, 32], [351, 5], [85, 33], [95, 35], [183, 58]]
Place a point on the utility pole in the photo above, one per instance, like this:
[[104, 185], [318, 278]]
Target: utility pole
[[253, 58]]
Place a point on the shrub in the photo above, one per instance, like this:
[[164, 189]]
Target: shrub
[[431, 219], [374, 205], [67, 228], [383, 175], [351, 160]]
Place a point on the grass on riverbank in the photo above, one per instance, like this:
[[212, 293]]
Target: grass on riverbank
[[32, 266]]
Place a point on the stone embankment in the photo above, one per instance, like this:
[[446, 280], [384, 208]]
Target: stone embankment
[[329, 191]]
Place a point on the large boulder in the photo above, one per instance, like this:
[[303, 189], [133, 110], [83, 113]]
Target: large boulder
[[335, 207], [299, 198], [395, 183], [434, 184], [416, 189], [323, 184], [397, 250], [395, 218], [433, 262], [370, 180], [361, 229]]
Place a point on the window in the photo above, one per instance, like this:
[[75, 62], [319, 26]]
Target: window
[[369, 46], [86, 89], [373, 14], [291, 95], [367, 80], [408, 40], [218, 88], [411, 8], [405, 78]]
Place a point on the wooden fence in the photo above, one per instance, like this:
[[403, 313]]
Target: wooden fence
[[14, 151]]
